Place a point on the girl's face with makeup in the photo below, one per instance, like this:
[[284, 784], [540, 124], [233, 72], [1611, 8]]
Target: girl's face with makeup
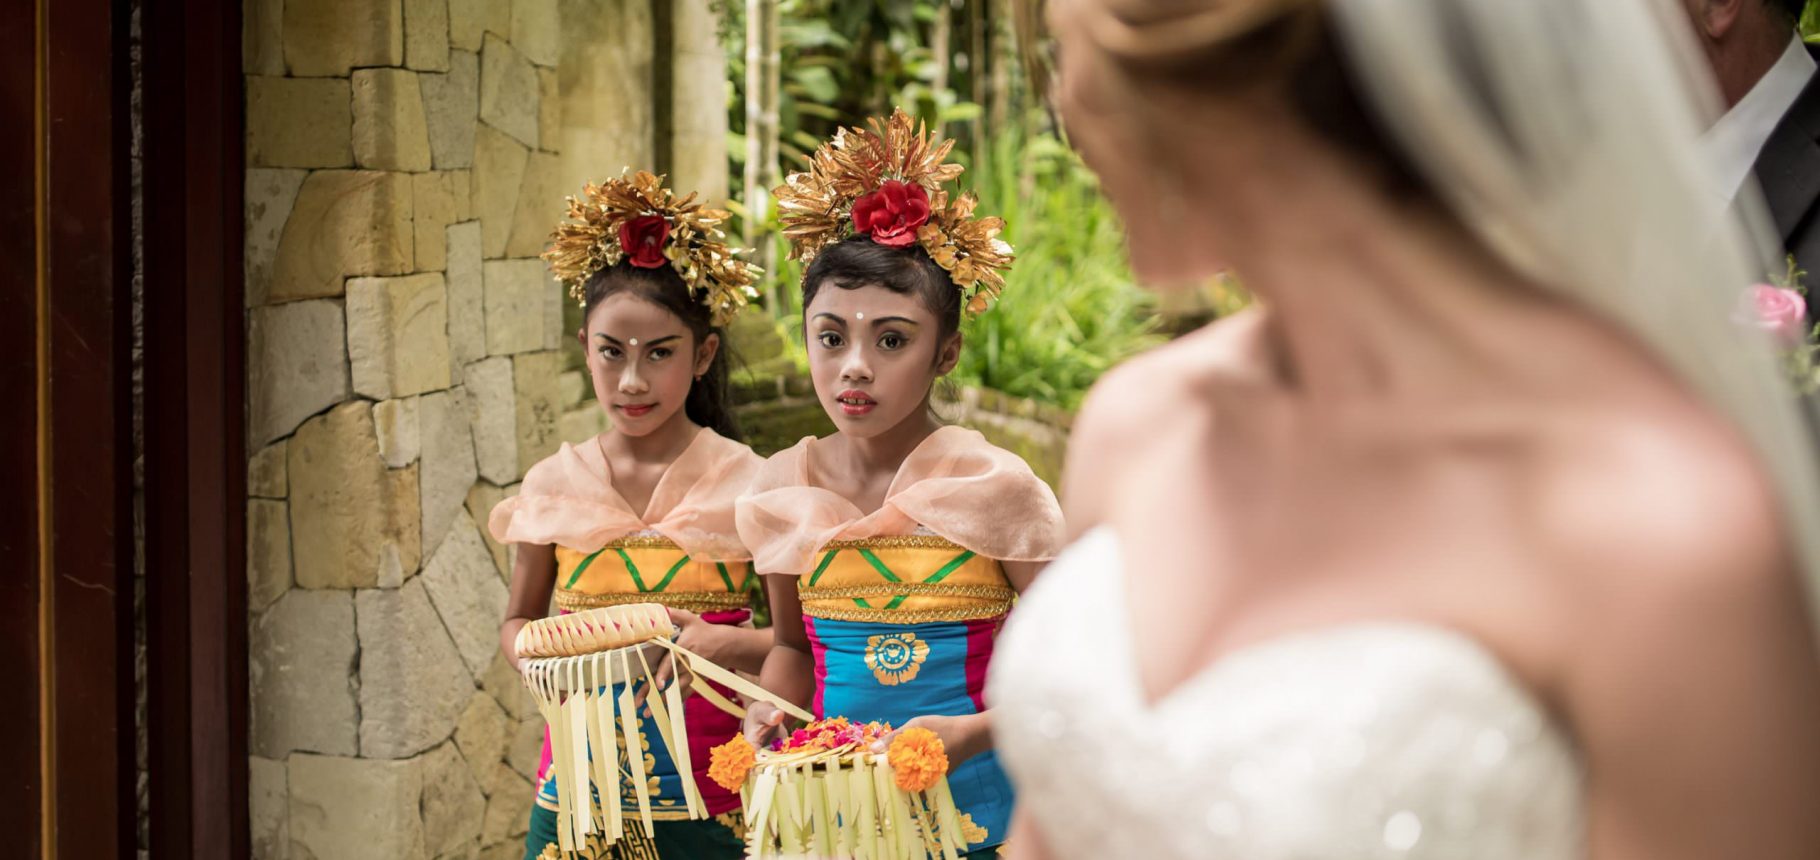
[[642, 359], [873, 355]]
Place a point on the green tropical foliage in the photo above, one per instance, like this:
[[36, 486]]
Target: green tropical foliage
[[845, 60], [1070, 310]]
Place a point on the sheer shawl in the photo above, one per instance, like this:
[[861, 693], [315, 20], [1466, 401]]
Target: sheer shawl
[[955, 484], [568, 498]]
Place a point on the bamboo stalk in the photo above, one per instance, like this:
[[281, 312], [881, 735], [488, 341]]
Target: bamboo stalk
[[976, 77], [1002, 50], [761, 174], [941, 31]]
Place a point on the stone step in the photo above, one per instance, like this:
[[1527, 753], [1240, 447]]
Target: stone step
[[756, 338], [773, 426]]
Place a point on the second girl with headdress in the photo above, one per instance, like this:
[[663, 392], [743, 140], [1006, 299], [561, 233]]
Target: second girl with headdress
[[894, 548]]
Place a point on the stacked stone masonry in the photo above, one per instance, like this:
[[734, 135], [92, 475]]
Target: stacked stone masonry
[[407, 361], [404, 369]]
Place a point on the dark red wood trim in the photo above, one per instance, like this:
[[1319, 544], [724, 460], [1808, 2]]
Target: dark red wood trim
[[194, 423], [85, 236], [21, 783], [217, 444]]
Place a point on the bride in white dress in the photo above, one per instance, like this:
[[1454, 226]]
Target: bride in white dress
[[1488, 535]]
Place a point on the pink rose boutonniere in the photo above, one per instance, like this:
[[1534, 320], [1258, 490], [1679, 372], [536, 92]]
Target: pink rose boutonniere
[[1780, 311], [1779, 308]]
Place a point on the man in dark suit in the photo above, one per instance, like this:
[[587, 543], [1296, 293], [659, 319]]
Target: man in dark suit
[[1771, 128]]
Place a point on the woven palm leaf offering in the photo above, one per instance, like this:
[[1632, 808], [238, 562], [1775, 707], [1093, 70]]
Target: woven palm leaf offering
[[583, 669], [823, 792]]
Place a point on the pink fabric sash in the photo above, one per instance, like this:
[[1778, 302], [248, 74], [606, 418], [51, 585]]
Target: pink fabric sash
[[568, 498], [955, 484]]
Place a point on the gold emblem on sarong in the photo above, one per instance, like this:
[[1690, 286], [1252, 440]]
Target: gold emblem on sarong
[[895, 658]]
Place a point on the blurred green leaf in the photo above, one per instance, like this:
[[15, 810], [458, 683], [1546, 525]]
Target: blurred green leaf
[[959, 112], [817, 110], [811, 33], [808, 142], [817, 82]]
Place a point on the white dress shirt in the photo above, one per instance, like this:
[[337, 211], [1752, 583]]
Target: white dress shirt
[[1738, 137]]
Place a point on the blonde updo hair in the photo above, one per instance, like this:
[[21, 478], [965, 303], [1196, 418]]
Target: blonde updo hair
[[1170, 35], [1215, 48]]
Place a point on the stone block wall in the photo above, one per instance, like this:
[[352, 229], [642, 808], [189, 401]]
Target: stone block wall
[[1037, 432], [406, 365]]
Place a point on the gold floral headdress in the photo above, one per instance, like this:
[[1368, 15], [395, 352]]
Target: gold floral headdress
[[635, 218], [885, 182]]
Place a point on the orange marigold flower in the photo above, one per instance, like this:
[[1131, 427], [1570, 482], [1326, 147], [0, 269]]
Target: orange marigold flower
[[917, 758], [729, 762]]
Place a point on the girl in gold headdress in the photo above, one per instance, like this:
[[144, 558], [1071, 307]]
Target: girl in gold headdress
[[894, 548], [643, 513]]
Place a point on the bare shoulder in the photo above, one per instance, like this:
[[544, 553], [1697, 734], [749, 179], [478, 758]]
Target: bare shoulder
[[1152, 390], [1669, 500], [1668, 543], [1688, 668]]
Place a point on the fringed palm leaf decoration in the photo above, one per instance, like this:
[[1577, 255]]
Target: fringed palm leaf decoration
[[571, 664], [825, 793]]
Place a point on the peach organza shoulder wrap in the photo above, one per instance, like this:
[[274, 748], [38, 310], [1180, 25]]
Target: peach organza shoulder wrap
[[955, 484], [568, 498]]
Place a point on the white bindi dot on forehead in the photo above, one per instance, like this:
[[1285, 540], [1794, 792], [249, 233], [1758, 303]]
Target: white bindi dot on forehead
[[860, 315], [634, 341]]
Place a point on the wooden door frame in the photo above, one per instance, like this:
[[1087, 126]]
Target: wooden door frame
[[195, 419], [69, 788], [66, 343]]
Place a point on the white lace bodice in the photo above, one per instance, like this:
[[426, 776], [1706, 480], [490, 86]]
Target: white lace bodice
[[1383, 740]]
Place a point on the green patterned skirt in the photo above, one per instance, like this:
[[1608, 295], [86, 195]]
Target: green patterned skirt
[[722, 836], [717, 837]]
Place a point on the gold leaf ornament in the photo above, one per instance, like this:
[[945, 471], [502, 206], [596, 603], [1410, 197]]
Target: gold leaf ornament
[[588, 241], [815, 206]]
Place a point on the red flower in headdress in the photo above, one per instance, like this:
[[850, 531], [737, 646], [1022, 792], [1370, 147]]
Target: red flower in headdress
[[891, 214], [642, 239]]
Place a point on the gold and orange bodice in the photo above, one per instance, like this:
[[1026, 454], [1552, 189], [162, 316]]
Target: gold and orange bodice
[[649, 569], [909, 579]]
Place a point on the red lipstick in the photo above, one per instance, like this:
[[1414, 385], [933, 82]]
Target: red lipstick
[[854, 403]]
